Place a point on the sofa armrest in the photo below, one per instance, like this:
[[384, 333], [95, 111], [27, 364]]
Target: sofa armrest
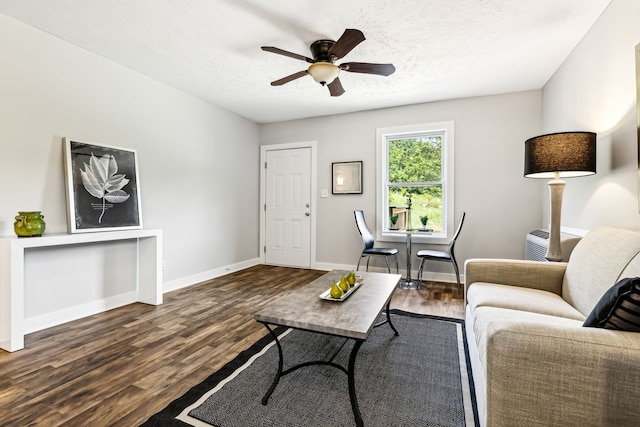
[[545, 276], [557, 375]]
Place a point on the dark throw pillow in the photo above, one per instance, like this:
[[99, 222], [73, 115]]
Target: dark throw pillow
[[619, 307]]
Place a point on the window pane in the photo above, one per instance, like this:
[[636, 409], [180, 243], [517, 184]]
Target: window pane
[[425, 201], [415, 159]]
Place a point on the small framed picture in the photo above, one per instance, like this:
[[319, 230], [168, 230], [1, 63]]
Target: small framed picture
[[103, 187], [347, 177]]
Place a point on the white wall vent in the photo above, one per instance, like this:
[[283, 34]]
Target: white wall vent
[[537, 243]]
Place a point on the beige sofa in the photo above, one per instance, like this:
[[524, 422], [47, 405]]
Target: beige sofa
[[533, 362]]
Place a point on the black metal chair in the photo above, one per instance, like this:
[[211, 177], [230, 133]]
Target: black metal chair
[[448, 256], [368, 240]]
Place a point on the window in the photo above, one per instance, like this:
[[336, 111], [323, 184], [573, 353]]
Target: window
[[415, 182]]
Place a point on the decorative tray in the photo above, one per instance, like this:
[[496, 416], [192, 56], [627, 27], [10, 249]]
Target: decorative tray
[[327, 294]]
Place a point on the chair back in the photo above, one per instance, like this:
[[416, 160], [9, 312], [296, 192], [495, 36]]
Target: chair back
[[367, 237], [457, 233]]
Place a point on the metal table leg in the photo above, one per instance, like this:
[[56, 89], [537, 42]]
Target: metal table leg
[[352, 383], [407, 282], [387, 320], [350, 371], [266, 397]]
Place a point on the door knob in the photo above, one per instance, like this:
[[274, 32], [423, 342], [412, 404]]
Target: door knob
[[307, 214]]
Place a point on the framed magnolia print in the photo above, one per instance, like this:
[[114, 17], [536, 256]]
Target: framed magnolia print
[[103, 188], [347, 177]]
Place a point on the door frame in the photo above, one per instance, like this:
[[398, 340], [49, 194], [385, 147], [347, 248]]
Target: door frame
[[263, 190]]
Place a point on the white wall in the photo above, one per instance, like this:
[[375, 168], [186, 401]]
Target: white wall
[[501, 205], [595, 90], [198, 163]]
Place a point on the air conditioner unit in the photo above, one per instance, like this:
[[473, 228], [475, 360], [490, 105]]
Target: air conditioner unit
[[537, 243]]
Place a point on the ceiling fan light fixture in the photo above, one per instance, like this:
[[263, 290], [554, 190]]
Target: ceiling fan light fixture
[[323, 72], [325, 53]]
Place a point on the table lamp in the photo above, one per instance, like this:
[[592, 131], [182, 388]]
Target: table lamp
[[559, 155]]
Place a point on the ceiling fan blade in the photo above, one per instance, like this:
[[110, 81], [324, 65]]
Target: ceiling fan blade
[[367, 68], [287, 53], [289, 78], [335, 87], [347, 41]]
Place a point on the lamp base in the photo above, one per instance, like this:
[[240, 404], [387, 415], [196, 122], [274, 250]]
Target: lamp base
[[554, 251]]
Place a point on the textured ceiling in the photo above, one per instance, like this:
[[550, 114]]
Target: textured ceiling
[[442, 49]]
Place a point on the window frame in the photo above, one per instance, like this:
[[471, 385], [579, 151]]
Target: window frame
[[383, 135]]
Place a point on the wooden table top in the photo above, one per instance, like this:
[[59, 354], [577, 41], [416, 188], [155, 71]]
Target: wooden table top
[[352, 318]]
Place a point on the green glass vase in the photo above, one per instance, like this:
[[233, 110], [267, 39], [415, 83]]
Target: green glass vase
[[29, 224]]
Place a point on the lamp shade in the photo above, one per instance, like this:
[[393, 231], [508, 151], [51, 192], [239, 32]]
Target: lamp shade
[[323, 72], [569, 154]]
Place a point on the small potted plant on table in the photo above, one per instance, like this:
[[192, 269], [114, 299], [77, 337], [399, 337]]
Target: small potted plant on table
[[423, 220]]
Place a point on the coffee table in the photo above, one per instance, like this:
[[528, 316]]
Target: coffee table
[[352, 318]]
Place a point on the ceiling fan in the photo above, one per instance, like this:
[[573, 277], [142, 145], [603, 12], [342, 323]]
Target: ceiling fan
[[325, 53]]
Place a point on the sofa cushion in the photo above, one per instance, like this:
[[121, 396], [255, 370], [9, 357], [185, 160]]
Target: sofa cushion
[[619, 307], [596, 264], [486, 321], [538, 301]]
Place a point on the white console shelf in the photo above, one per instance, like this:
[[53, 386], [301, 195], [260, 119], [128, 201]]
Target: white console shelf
[[12, 267]]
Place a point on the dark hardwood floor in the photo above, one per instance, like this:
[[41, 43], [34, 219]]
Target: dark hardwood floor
[[120, 367]]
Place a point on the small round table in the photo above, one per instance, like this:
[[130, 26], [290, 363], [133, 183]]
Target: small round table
[[407, 282]]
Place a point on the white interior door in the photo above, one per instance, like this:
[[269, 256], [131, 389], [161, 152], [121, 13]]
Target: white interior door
[[288, 207]]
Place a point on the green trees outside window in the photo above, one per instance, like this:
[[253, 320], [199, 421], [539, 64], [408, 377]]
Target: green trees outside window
[[415, 178]]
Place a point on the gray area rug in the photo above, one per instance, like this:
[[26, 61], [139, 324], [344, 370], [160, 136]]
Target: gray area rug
[[419, 378]]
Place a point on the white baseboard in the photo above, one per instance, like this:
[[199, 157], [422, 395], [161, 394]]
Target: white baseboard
[[59, 317], [184, 282], [439, 277], [325, 266], [426, 275]]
